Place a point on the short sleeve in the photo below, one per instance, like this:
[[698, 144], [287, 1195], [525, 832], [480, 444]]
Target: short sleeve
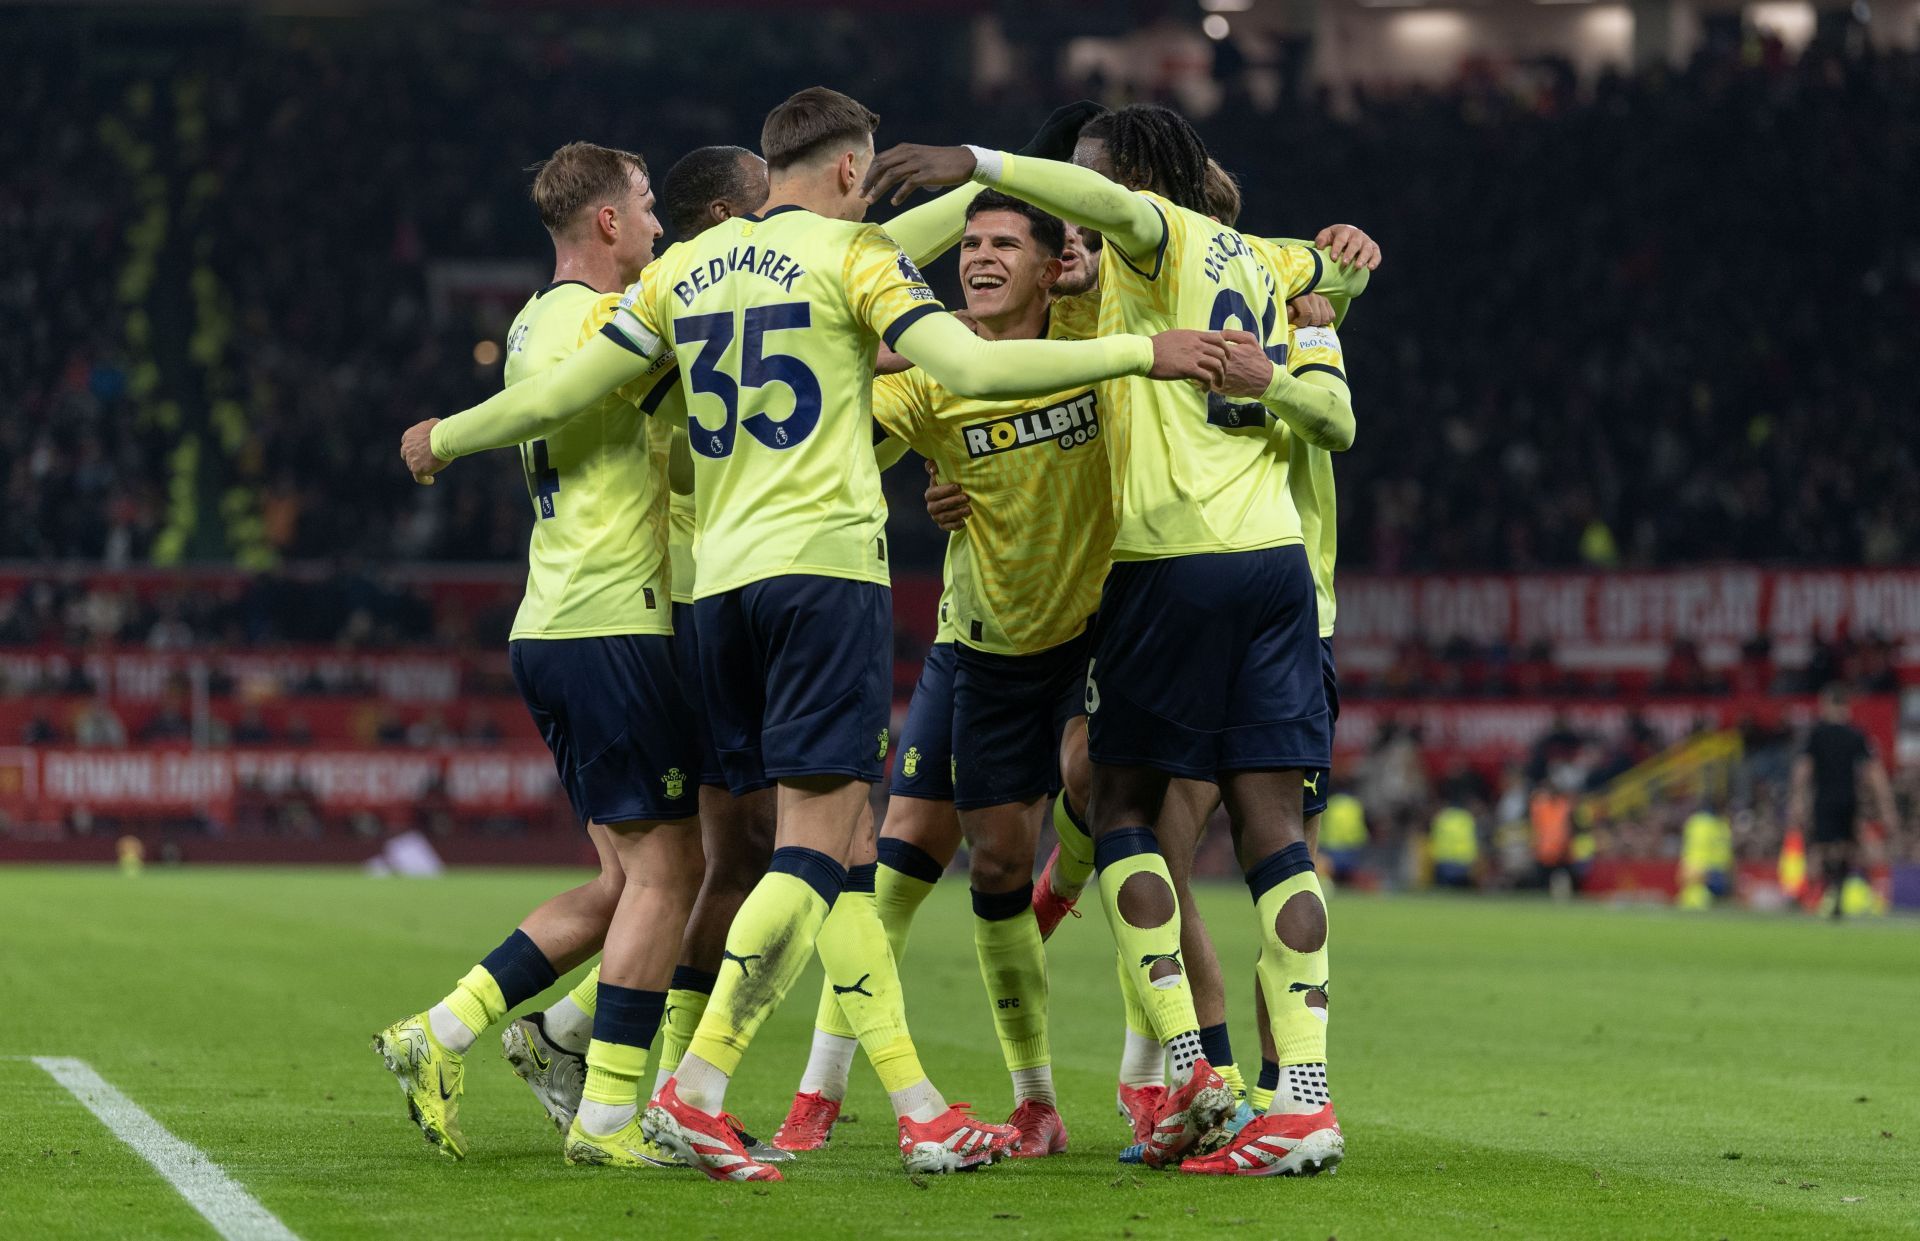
[[660, 380], [1296, 269], [898, 407], [885, 290], [635, 323]]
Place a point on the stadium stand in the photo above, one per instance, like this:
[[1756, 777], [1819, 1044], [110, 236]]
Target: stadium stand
[[234, 284]]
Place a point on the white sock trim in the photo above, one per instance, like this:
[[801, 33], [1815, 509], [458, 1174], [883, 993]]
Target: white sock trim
[[1142, 1061], [1303, 1088], [450, 1030], [568, 1026], [919, 1102], [1035, 1083], [602, 1119], [828, 1065], [701, 1085]]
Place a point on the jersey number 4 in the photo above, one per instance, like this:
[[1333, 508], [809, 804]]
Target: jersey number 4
[[758, 368]]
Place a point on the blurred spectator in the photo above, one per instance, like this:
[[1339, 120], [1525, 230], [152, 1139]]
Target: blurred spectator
[[1682, 406], [97, 726]]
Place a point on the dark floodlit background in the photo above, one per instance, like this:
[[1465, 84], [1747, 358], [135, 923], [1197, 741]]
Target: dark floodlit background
[[1639, 456]]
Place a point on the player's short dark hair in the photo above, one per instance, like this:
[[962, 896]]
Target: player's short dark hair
[[701, 177], [811, 120], [577, 176], [1223, 194], [1154, 148], [1049, 231]]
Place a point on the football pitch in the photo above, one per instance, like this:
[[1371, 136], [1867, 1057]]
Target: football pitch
[[1502, 1068]]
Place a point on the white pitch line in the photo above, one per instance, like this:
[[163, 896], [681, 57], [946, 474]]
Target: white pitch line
[[234, 1213]]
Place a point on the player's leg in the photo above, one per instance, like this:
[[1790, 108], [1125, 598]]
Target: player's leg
[[1280, 728], [662, 864], [782, 707], [1182, 826], [917, 842], [905, 868], [577, 693], [860, 968], [1153, 709], [617, 700], [737, 841], [548, 1049], [1141, 1089], [1009, 714], [1070, 865], [1260, 1094]]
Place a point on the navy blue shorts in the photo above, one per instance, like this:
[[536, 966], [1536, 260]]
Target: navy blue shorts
[[1008, 713], [612, 712], [1316, 785], [686, 665], [798, 674], [1208, 664], [925, 768]]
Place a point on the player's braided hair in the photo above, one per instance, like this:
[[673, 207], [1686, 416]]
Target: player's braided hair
[[1154, 148]]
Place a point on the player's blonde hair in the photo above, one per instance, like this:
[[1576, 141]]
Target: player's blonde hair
[[1223, 194], [809, 121], [581, 175]]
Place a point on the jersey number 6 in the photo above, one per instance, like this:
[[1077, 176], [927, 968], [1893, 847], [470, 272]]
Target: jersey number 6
[[757, 369]]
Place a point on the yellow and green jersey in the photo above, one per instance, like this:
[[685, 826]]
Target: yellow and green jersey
[[680, 545], [1186, 484], [1025, 573], [1454, 837], [1343, 824], [1296, 268], [1312, 350], [597, 559], [774, 321], [1706, 843]]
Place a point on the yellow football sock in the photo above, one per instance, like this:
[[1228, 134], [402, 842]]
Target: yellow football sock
[[1293, 977], [1013, 964], [1075, 866], [1261, 1096], [477, 1000], [896, 895], [1138, 1019], [613, 1073], [768, 945], [1168, 1001], [904, 878], [686, 1005], [862, 976], [586, 992], [1230, 1073]]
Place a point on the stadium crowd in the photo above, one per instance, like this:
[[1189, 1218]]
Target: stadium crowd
[[1632, 371]]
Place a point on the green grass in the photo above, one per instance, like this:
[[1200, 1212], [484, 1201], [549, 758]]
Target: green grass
[[1501, 1068]]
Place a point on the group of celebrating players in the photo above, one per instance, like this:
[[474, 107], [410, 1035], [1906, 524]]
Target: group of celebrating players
[[1129, 432]]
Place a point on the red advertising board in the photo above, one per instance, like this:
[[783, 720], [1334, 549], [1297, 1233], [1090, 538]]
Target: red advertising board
[[1630, 619]]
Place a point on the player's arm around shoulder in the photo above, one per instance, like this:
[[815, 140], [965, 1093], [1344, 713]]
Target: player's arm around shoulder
[[1127, 220], [623, 350]]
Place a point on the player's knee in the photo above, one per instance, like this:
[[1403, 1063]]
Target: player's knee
[[1146, 901], [1301, 923], [999, 869], [607, 885]]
